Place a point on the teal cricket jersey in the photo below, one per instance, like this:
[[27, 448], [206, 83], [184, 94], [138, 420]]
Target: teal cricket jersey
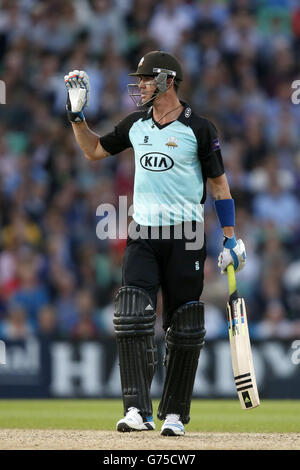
[[172, 163]]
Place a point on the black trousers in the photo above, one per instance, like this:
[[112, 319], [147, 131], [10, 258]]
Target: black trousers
[[167, 263]]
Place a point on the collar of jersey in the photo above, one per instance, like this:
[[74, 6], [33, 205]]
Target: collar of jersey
[[183, 117]]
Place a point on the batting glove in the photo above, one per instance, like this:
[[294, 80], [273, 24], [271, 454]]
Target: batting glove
[[78, 86], [234, 252]]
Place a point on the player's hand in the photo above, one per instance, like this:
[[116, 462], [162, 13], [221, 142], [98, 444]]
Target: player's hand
[[78, 86], [234, 252]]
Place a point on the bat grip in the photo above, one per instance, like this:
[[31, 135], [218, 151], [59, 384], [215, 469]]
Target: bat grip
[[231, 278]]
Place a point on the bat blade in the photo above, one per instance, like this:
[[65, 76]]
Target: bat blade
[[241, 354]]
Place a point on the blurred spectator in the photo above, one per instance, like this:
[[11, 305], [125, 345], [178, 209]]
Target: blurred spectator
[[9, 281], [16, 325], [48, 322], [21, 231], [215, 322], [105, 315], [85, 327], [275, 324], [212, 12], [170, 19], [277, 206], [291, 284], [65, 301], [31, 294], [106, 25], [241, 35]]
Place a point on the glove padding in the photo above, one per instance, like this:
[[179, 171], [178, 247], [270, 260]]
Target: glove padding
[[78, 86], [234, 252]]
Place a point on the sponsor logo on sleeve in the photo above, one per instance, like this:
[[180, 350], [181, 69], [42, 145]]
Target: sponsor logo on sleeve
[[216, 144]]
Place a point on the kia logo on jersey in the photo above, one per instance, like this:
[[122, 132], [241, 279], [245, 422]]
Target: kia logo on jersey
[[156, 161]]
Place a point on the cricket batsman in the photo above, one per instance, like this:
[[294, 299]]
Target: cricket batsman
[[176, 152]]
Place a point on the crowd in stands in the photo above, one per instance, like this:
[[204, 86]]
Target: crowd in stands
[[240, 58]]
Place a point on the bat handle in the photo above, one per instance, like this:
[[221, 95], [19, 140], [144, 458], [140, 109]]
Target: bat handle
[[231, 279]]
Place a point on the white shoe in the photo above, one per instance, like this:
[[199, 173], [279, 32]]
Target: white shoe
[[172, 426], [133, 421]]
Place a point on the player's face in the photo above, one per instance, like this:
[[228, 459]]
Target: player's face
[[147, 86]]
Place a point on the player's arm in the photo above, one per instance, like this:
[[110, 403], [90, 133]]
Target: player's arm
[[213, 168], [233, 250], [88, 141], [220, 190]]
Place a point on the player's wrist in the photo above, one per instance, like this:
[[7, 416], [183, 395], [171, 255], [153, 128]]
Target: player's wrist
[[229, 242], [75, 117]]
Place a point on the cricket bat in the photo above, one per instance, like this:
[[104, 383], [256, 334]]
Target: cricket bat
[[240, 347]]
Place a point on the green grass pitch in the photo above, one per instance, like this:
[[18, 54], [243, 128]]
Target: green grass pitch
[[206, 415]]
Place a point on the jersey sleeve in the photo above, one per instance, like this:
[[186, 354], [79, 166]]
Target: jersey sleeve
[[118, 140], [209, 150]]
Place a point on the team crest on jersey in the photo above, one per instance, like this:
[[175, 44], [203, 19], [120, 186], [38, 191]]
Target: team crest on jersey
[[172, 142]]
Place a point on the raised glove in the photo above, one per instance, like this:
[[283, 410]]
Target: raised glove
[[234, 252], [78, 86]]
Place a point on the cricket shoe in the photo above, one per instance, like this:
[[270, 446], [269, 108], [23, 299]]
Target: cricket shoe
[[133, 421], [172, 426]]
